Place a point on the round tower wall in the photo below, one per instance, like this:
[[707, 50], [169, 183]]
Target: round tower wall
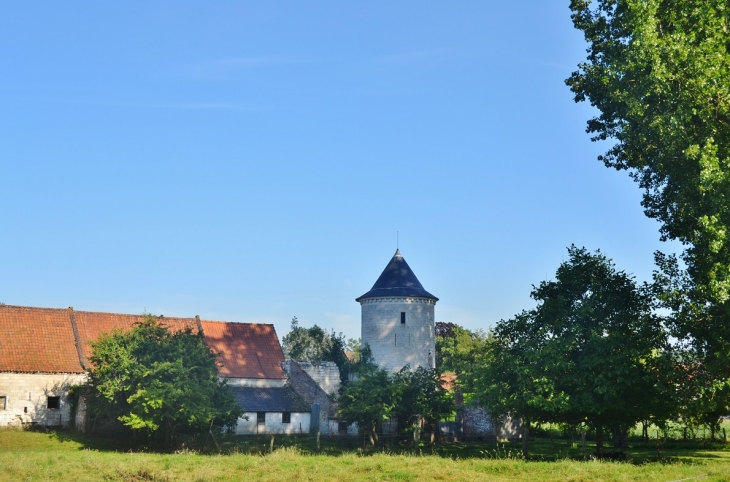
[[395, 344]]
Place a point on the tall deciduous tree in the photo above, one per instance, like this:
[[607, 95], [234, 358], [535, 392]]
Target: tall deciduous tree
[[592, 352], [158, 383], [658, 70]]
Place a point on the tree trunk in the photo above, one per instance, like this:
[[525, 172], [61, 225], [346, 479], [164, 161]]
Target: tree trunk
[[525, 434], [599, 439]]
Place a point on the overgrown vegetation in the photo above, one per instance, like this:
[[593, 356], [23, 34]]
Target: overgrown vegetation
[[315, 344], [415, 399], [157, 384]]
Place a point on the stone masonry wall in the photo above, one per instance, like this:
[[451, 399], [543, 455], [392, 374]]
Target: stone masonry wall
[[395, 344], [311, 392], [27, 397], [326, 374], [477, 424]]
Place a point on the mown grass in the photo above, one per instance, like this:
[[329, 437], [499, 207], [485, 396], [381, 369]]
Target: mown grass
[[34, 456]]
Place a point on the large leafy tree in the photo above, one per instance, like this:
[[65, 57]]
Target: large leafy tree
[[158, 383], [592, 352], [421, 396], [657, 71]]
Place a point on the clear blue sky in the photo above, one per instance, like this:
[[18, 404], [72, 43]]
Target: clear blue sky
[[253, 161]]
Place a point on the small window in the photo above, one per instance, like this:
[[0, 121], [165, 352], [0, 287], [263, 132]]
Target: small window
[[260, 418], [3, 403], [342, 428], [285, 417], [54, 402], [403, 317]]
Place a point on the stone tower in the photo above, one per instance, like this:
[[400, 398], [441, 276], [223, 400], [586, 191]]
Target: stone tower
[[398, 318]]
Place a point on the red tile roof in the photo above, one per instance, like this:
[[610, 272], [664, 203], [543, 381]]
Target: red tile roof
[[245, 350], [37, 340], [42, 340], [91, 325]]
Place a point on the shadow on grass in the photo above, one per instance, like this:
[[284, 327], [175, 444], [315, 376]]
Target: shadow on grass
[[541, 450]]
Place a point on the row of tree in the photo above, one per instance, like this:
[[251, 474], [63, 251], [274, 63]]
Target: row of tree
[[597, 352]]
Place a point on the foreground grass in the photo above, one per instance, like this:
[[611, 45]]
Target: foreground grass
[[32, 456]]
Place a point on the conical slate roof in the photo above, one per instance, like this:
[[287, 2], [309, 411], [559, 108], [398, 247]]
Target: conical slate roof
[[397, 279]]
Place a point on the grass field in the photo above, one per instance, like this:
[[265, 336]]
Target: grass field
[[36, 456]]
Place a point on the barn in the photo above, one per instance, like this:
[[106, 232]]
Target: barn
[[44, 352]]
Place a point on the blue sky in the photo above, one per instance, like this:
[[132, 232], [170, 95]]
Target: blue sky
[[253, 161]]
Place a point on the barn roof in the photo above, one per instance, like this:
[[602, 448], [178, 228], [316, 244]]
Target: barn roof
[[53, 340], [37, 340], [245, 350], [397, 279], [273, 399]]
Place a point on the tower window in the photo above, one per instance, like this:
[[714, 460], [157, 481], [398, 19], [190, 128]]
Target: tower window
[[403, 317]]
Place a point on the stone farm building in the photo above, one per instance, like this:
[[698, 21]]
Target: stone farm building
[[44, 351]]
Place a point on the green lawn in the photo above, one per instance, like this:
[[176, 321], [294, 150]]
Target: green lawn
[[34, 456]]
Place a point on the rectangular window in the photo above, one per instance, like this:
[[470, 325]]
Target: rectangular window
[[285, 417], [260, 418], [342, 428], [3, 403], [54, 402], [403, 317]]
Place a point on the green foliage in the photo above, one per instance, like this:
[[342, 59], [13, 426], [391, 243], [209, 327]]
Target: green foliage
[[315, 344], [158, 383], [657, 70], [370, 398], [592, 352], [457, 347], [420, 395], [353, 346]]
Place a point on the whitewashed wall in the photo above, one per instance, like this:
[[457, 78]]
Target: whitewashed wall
[[273, 425], [27, 397]]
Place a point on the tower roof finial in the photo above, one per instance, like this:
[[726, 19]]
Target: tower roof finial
[[397, 279]]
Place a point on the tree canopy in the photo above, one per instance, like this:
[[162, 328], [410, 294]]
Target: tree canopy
[[368, 399], [592, 352], [158, 383], [457, 347], [658, 70], [316, 344]]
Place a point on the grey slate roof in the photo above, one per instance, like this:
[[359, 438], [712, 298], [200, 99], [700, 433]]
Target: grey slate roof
[[273, 399], [397, 279]]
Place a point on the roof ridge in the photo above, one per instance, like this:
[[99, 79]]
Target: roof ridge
[[237, 322]]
